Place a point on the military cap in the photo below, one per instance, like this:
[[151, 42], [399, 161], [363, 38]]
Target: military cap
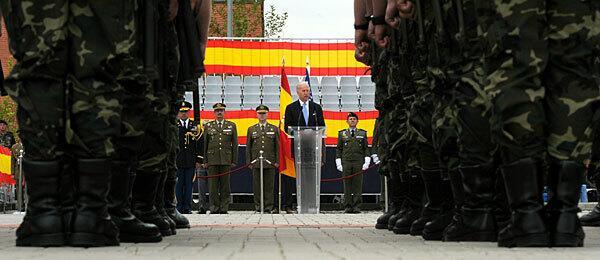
[[185, 106], [219, 106], [262, 109], [352, 114]]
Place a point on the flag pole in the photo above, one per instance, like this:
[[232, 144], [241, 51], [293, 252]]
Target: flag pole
[[279, 189]]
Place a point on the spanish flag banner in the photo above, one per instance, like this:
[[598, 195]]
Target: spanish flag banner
[[5, 166], [286, 160], [328, 58]]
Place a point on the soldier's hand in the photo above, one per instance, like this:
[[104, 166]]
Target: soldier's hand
[[375, 159], [198, 165], [276, 165], [205, 165], [251, 166], [361, 53], [391, 14], [406, 9], [381, 36], [173, 9]]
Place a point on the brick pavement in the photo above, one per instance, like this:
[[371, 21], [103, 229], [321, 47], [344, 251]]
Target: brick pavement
[[244, 235]]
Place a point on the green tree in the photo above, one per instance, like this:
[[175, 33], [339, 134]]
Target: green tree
[[243, 23], [8, 107], [274, 23]]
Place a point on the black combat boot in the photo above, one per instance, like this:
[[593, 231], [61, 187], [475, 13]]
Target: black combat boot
[[131, 229], [67, 192], [414, 203], [477, 221], [402, 204], [159, 203], [592, 219], [434, 230], [501, 209], [527, 228], [458, 196], [432, 183], [43, 222], [144, 192], [395, 201], [92, 225], [566, 178], [171, 204]]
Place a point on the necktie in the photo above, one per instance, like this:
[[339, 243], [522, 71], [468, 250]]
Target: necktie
[[262, 128], [352, 132], [305, 113]]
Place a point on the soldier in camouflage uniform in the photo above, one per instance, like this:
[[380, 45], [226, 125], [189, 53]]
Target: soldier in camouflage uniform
[[69, 55], [540, 73], [397, 95], [151, 167]]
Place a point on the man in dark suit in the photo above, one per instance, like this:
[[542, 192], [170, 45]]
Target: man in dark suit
[[302, 112], [186, 159]]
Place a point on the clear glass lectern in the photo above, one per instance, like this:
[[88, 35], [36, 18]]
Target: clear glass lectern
[[308, 145]]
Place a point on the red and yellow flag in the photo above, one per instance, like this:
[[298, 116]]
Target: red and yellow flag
[[5, 166], [286, 161]]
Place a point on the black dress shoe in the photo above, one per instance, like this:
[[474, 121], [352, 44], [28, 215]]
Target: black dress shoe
[[202, 211], [275, 211]]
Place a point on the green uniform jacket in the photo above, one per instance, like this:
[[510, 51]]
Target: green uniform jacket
[[220, 143], [352, 148], [266, 140]]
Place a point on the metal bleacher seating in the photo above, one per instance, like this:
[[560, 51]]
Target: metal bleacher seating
[[213, 85], [330, 96], [365, 85], [232, 92], [250, 91], [270, 92], [349, 94], [270, 85], [212, 91], [251, 84], [367, 102]]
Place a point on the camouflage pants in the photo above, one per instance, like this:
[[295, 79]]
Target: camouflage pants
[[472, 117], [69, 54], [444, 132], [158, 138], [541, 77]]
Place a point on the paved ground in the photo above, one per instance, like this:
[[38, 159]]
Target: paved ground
[[244, 235]]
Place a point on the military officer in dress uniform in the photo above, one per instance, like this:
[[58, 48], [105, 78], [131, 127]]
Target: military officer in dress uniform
[[187, 159], [352, 156], [221, 152], [263, 137]]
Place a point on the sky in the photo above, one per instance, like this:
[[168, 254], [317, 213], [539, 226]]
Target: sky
[[316, 18]]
